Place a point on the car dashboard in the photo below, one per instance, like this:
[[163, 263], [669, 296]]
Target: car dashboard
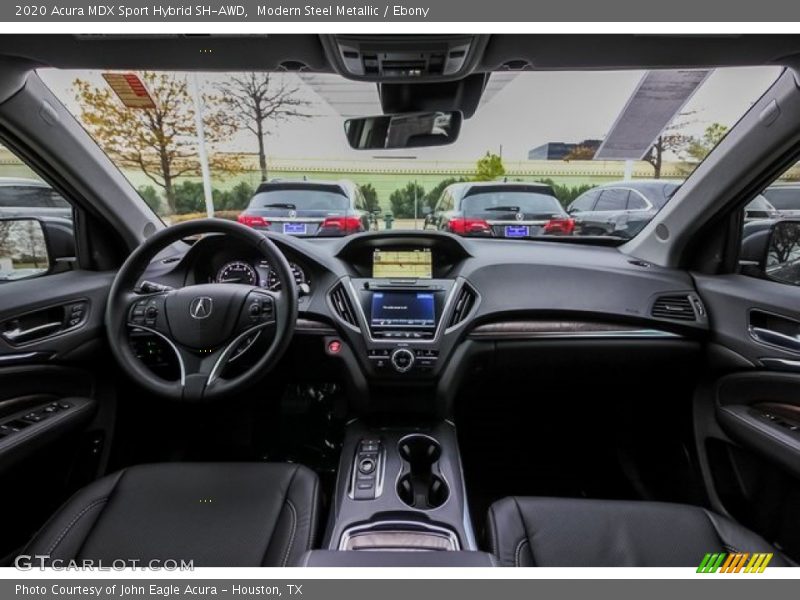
[[407, 308]]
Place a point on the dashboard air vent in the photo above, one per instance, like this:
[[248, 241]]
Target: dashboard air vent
[[342, 305], [677, 307], [464, 303]]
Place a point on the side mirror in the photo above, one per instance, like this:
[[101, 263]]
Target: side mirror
[[24, 249], [405, 130], [781, 261]]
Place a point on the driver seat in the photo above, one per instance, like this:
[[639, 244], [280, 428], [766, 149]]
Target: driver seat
[[215, 514]]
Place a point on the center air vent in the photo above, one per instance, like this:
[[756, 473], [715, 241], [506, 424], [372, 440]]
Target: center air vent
[[464, 303], [675, 307], [342, 305]]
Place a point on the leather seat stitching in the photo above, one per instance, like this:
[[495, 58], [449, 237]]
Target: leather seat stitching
[[312, 522], [722, 541], [72, 523], [493, 532], [522, 542], [525, 531], [294, 530]]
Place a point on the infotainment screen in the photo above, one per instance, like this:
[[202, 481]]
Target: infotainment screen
[[402, 264], [403, 309]]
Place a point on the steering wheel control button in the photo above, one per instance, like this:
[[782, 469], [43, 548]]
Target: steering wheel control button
[[402, 360]]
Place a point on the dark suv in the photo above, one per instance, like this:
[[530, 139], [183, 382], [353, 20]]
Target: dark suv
[[307, 208], [620, 209], [500, 209]]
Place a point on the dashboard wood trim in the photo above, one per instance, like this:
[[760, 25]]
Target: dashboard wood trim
[[544, 329]]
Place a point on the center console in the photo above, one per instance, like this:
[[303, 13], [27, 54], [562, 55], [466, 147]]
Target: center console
[[404, 319], [404, 312], [400, 489]]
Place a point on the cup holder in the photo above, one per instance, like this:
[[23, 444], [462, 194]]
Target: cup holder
[[420, 486]]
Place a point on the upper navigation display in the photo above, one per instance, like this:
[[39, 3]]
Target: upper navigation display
[[402, 264]]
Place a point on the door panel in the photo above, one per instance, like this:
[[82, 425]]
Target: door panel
[[747, 418], [56, 408]]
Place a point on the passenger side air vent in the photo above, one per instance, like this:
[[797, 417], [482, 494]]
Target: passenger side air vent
[[464, 303], [342, 305], [677, 308]]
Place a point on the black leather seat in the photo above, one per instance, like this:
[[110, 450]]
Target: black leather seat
[[561, 532], [218, 514]]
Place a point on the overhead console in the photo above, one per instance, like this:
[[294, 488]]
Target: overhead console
[[401, 58]]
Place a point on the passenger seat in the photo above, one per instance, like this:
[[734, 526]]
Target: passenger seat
[[563, 532]]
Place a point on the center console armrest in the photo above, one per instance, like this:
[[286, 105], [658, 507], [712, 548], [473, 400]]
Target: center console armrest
[[337, 558]]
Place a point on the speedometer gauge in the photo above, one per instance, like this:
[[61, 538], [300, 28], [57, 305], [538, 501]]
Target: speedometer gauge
[[237, 272], [274, 284]]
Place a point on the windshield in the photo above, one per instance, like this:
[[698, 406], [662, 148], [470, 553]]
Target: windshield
[[578, 135]]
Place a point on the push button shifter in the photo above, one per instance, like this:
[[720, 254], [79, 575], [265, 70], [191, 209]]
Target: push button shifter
[[366, 483]]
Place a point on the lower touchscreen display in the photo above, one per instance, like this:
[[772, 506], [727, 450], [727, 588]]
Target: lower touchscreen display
[[403, 309]]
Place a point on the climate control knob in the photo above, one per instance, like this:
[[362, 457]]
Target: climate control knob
[[402, 360]]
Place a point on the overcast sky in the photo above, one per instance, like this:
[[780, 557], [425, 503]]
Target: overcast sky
[[531, 110]]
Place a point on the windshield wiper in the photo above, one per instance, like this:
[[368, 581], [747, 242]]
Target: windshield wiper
[[502, 208], [287, 205]]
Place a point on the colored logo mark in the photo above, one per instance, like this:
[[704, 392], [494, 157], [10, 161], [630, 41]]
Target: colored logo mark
[[738, 562]]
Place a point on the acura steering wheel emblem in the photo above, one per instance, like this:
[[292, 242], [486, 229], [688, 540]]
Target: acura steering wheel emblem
[[519, 216], [200, 307]]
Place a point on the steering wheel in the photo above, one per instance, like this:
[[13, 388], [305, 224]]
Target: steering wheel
[[206, 325]]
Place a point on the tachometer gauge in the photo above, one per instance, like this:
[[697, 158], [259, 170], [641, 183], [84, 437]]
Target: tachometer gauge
[[237, 272], [274, 284]]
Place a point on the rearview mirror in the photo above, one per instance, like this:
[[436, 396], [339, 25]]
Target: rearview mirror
[[782, 262], [407, 130], [23, 249]]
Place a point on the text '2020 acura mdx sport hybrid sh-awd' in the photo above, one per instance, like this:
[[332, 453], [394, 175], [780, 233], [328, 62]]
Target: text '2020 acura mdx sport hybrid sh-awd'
[[362, 328]]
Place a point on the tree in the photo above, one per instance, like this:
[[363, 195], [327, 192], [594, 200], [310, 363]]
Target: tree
[[189, 197], [370, 196], [784, 244], [566, 193], [670, 140], [489, 168], [254, 99], [151, 198], [162, 141], [237, 198], [698, 148], [432, 197], [402, 200], [666, 142]]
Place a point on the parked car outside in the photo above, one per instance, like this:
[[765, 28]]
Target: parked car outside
[[307, 208], [785, 197], [623, 208], [759, 209], [500, 209], [31, 198]]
